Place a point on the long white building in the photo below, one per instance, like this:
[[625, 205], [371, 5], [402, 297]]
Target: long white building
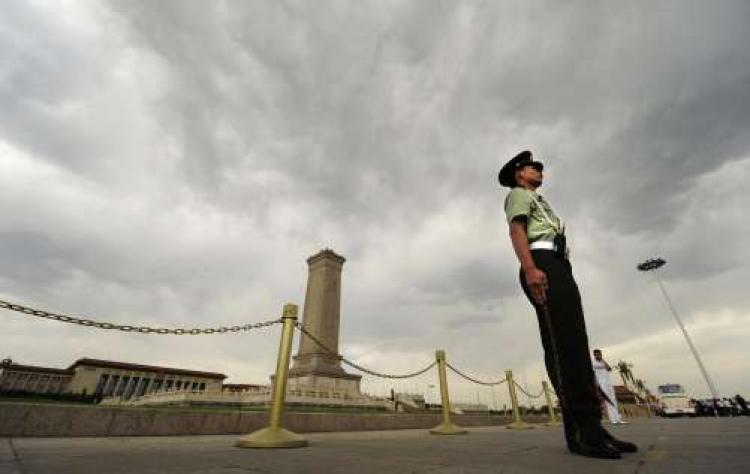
[[105, 378]]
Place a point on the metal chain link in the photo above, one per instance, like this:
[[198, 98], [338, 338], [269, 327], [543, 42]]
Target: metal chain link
[[527, 393], [357, 366], [472, 379], [387, 376], [127, 328]]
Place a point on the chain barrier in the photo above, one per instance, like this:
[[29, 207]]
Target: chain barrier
[[472, 379], [357, 366], [237, 328], [138, 329], [527, 393]]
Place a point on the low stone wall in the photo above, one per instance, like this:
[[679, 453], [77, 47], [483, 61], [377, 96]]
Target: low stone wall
[[634, 411], [32, 420]]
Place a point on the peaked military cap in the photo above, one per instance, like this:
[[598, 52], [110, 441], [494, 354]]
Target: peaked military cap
[[507, 174]]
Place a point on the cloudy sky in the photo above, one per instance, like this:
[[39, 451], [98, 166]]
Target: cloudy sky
[[174, 163]]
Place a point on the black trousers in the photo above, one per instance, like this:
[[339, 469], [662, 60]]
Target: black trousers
[[566, 348]]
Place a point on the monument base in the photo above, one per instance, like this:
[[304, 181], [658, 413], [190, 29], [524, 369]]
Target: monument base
[[347, 384]]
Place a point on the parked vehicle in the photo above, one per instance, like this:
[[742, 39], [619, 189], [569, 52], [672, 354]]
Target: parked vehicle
[[736, 406], [742, 404], [704, 407], [674, 402], [710, 407]]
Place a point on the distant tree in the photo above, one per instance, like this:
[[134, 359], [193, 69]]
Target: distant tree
[[641, 388], [625, 373]]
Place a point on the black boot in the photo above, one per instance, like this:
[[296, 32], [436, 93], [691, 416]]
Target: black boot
[[600, 450], [589, 441], [622, 446]]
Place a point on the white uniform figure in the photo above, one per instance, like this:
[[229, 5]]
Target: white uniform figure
[[602, 370]]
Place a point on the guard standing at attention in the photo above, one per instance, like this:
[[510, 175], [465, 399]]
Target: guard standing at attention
[[546, 276]]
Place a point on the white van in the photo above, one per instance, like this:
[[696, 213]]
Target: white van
[[674, 402]]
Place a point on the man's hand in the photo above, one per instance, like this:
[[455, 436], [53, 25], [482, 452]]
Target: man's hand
[[536, 280], [537, 283]]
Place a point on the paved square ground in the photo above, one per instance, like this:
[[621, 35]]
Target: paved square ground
[[675, 446]]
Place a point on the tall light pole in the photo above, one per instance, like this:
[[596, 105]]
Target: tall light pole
[[651, 265]]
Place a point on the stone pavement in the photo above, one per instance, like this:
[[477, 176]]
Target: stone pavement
[[675, 446]]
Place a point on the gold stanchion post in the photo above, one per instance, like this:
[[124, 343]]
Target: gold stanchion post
[[552, 416], [274, 436], [518, 423], [446, 427]]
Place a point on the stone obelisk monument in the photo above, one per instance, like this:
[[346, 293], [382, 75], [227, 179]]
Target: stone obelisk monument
[[315, 368]]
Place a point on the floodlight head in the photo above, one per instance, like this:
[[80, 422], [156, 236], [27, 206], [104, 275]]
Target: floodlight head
[[651, 264]]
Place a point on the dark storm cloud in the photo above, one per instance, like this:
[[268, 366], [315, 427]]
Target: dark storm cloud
[[476, 281], [180, 159], [47, 66]]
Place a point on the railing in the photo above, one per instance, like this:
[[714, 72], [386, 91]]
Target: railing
[[277, 396]]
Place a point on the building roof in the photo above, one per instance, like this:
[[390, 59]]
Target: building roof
[[35, 368], [622, 390], [624, 394], [143, 368], [242, 385]]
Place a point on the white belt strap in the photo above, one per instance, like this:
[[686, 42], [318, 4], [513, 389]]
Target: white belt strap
[[542, 245]]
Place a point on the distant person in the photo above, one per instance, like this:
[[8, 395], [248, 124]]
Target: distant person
[[538, 239], [602, 370]]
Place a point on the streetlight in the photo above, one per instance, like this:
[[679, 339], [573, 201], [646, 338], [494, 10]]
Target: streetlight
[[649, 266]]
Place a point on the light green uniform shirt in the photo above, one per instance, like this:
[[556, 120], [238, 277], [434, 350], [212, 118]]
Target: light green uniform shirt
[[520, 202]]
